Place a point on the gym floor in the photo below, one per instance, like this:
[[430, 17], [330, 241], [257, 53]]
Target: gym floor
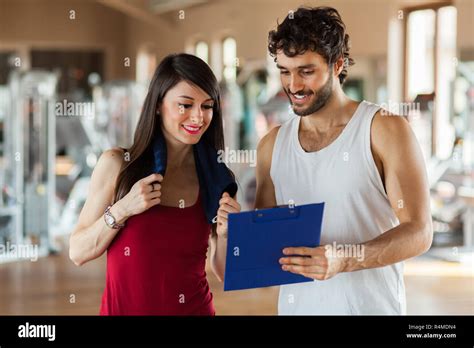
[[55, 286]]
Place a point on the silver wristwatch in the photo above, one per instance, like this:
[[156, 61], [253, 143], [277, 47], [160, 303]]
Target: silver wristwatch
[[110, 219]]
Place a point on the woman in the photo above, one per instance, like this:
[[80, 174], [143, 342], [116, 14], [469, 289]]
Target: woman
[[155, 227]]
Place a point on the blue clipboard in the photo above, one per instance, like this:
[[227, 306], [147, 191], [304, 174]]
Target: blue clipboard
[[256, 240]]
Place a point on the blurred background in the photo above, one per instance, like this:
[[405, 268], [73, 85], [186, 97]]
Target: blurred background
[[73, 76]]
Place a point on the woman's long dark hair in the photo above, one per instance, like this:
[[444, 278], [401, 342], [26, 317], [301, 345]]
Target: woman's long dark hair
[[173, 69]]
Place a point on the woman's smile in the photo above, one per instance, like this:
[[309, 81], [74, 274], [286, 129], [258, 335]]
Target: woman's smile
[[192, 129]]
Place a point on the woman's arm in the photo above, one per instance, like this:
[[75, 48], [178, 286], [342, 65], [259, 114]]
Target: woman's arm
[[227, 205], [218, 254], [91, 237]]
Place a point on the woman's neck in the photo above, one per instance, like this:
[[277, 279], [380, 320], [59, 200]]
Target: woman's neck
[[178, 154]]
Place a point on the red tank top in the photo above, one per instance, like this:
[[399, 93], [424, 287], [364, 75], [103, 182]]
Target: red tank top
[[156, 264]]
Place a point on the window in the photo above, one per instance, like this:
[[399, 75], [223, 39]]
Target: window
[[421, 41], [146, 64], [201, 50], [229, 55], [430, 63]]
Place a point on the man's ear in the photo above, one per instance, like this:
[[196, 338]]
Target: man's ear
[[338, 66]]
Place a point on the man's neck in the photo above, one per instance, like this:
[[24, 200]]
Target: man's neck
[[336, 112]]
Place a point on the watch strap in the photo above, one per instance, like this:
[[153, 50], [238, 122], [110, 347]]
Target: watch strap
[[115, 225]]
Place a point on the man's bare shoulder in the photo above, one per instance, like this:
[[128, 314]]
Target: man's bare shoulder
[[391, 134], [265, 146]]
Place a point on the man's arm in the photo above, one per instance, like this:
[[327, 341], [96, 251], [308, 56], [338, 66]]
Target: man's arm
[[406, 183], [394, 146], [265, 196]]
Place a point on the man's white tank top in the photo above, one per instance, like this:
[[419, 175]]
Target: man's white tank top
[[345, 177]]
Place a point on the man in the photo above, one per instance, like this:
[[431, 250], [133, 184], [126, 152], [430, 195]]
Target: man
[[363, 162]]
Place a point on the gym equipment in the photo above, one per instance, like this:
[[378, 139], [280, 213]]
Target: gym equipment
[[117, 107], [28, 185]]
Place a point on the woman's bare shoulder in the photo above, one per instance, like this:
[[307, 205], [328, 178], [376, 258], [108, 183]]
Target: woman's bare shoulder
[[110, 162]]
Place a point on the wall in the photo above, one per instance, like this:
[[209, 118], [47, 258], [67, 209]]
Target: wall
[[465, 36], [29, 23], [22, 24]]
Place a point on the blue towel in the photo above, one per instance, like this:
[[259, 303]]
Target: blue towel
[[214, 176]]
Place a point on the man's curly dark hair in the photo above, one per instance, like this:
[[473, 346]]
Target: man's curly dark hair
[[318, 29]]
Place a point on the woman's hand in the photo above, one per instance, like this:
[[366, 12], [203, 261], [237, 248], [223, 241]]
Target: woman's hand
[[226, 205], [144, 194]]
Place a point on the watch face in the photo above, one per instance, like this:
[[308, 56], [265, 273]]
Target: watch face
[[110, 220]]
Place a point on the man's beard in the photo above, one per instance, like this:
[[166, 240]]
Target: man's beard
[[321, 98]]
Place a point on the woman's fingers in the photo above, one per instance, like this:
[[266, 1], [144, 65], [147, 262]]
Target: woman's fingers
[[151, 178], [228, 208], [155, 201], [222, 214], [155, 187], [227, 205], [230, 201], [153, 195]]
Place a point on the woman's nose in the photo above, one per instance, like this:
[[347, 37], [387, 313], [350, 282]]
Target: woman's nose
[[196, 116]]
